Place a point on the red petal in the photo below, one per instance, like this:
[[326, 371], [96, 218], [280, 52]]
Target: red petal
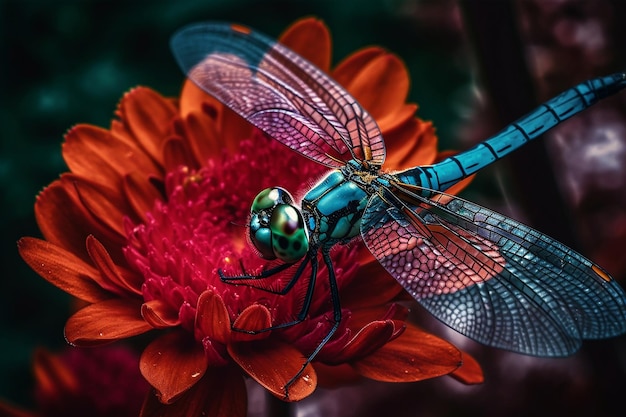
[[7, 410], [159, 314], [54, 379], [148, 116], [62, 268], [108, 207], [221, 392], [110, 277], [172, 364], [94, 153], [310, 38], [347, 69], [414, 356], [381, 87], [105, 322], [253, 318], [333, 376], [470, 372], [370, 338], [272, 364], [411, 144], [212, 318], [176, 154], [140, 193], [192, 97], [62, 218]]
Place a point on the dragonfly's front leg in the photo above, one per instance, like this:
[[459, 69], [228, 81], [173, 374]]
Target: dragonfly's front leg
[[334, 294], [237, 280]]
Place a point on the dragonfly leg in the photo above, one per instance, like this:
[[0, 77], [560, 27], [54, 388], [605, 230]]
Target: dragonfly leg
[[334, 294], [249, 279]]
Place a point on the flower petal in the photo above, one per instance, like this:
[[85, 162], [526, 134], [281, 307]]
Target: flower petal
[[220, 392], [54, 379], [172, 364], [148, 116], [62, 269], [8, 410], [59, 206], [347, 69], [470, 372], [272, 364], [110, 276], [159, 314], [370, 338], [104, 322], [411, 144], [414, 356], [381, 86], [310, 38], [252, 318], [212, 318], [94, 153]]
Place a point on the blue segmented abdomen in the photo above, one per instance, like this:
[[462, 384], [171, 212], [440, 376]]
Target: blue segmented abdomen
[[448, 172]]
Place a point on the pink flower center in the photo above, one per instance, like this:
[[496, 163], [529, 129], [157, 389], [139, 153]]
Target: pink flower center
[[200, 229]]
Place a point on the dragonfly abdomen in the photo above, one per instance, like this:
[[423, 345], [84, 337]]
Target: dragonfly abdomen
[[448, 172]]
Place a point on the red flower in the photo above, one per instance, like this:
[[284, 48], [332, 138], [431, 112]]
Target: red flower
[[79, 382], [152, 209]]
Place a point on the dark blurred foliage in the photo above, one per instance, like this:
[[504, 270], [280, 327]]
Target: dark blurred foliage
[[68, 62]]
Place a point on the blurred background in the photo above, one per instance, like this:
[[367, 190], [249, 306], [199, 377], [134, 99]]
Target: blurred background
[[475, 66]]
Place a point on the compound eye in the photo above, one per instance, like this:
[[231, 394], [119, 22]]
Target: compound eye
[[261, 236], [269, 198], [290, 241]]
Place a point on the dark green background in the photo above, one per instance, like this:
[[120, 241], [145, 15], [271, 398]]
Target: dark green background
[[68, 62]]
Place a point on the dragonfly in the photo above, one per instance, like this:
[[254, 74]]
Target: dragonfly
[[483, 274]]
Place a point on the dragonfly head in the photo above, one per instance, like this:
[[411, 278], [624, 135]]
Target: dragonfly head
[[277, 227]]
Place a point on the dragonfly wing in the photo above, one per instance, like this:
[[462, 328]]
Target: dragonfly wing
[[538, 296], [279, 92]]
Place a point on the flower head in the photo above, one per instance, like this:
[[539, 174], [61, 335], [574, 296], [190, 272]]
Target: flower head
[[153, 208], [78, 382]]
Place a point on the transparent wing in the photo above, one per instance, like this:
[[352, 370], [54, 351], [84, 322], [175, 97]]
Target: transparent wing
[[491, 278], [279, 92]]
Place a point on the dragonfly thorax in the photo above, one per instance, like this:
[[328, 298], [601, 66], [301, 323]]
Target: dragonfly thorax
[[277, 227]]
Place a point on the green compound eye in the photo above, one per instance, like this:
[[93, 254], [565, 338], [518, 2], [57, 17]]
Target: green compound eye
[[269, 198], [290, 240]]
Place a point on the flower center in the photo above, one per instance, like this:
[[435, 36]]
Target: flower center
[[198, 230]]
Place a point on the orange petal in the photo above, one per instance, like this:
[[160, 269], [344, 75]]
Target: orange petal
[[414, 356], [272, 364], [253, 318], [159, 314], [104, 322], [8, 410], [62, 269], [54, 379], [192, 97], [381, 86], [333, 376], [110, 277], [172, 364], [411, 144], [148, 116], [94, 153], [367, 340], [220, 392], [201, 136], [62, 218], [140, 194], [348, 69], [212, 317], [470, 372], [176, 154], [310, 38]]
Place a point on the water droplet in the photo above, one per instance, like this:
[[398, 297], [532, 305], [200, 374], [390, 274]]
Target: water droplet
[[195, 374], [100, 334]]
